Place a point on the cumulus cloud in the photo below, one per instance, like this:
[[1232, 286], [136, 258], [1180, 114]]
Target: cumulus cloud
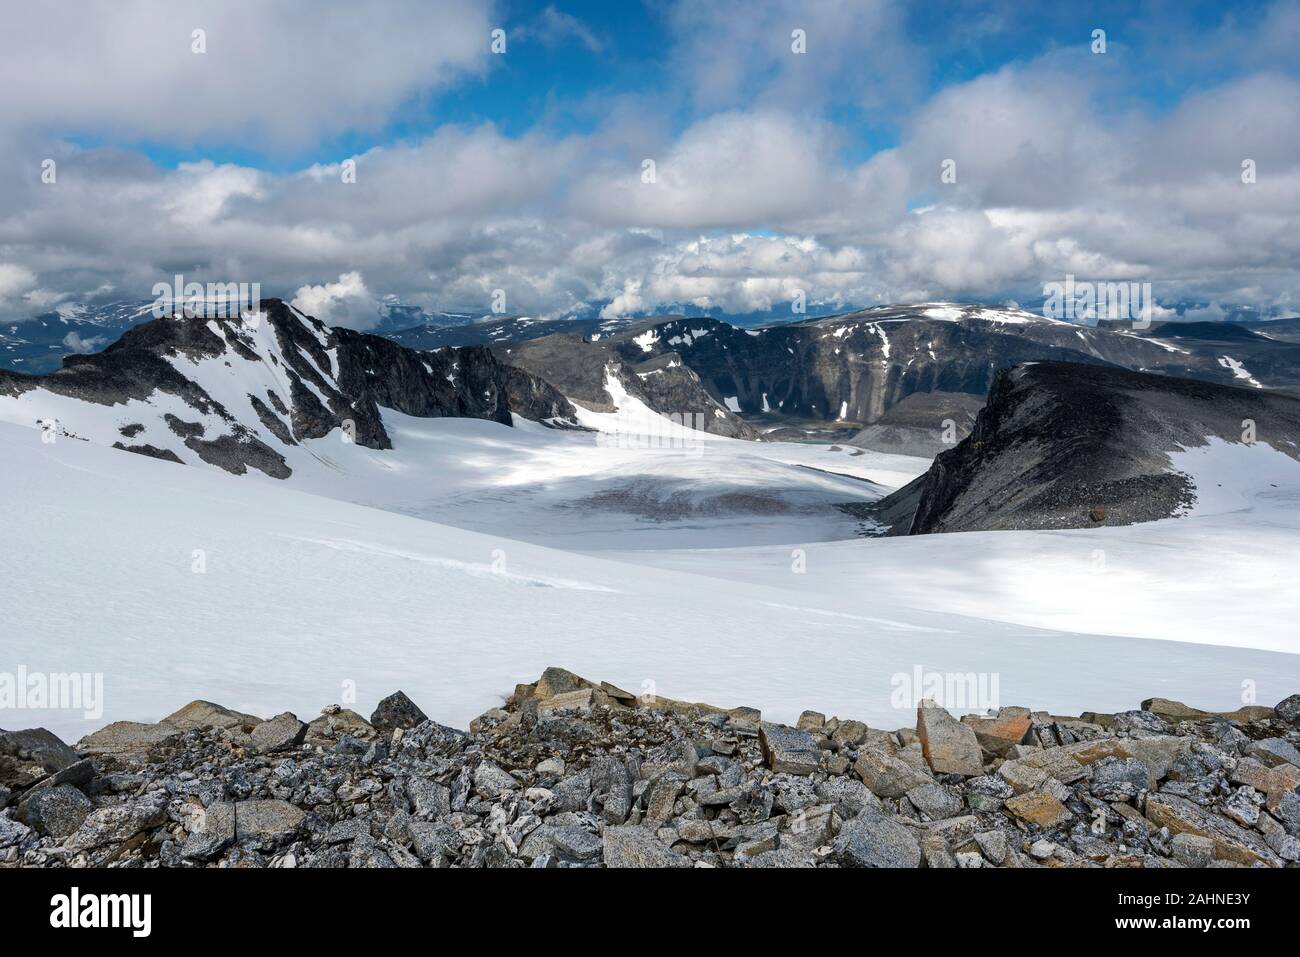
[[84, 345], [281, 71], [344, 303], [1058, 171]]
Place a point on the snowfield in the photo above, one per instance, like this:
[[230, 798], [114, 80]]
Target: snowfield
[[472, 556]]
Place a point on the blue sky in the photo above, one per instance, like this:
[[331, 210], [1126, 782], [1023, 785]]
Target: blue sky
[[776, 172]]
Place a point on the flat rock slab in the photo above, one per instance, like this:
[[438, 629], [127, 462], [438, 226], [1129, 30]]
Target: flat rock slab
[[634, 845], [266, 822], [112, 825], [1040, 808], [205, 714], [212, 834], [1010, 724], [130, 740], [789, 750], [1231, 841]]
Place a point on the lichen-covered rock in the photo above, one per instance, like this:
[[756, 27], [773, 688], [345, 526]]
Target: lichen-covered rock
[[876, 840], [632, 845], [949, 746], [57, 811], [789, 750]]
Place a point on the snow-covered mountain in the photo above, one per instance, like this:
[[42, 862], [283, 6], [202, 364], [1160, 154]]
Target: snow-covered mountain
[[896, 373], [249, 392]]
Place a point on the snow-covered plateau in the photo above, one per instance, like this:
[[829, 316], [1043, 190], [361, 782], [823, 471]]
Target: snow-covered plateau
[[472, 555]]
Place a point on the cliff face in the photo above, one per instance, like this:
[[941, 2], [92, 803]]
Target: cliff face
[[1060, 445]]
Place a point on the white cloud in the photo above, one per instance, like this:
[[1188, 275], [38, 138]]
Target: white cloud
[[344, 303], [282, 71], [14, 281], [1057, 172]]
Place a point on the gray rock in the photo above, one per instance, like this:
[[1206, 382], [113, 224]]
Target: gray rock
[[1274, 751], [935, 801], [266, 823], [887, 776], [1141, 724], [434, 841], [1288, 812], [573, 793], [988, 793], [1288, 709], [634, 845], [214, 833], [1118, 779], [612, 785], [280, 733], [120, 822], [57, 811], [993, 845], [205, 714], [490, 780], [576, 844], [848, 795], [1243, 806], [40, 746], [131, 741], [428, 798], [874, 840], [661, 798], [789, 750], [12, 832], [1192, 850], [396, 711]]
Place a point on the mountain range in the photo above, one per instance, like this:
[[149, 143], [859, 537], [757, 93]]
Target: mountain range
[[1036, 422]]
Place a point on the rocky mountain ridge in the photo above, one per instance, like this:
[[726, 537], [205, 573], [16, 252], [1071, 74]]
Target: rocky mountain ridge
[[1060, 445], [860, 370], [241, 393], [576, 773]]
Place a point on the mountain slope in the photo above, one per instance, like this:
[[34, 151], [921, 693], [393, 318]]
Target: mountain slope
[[300, 599], [581, 370], [239, 393], [1061, 445]]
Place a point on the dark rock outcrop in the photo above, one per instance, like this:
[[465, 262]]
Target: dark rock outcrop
[[1060, 445]]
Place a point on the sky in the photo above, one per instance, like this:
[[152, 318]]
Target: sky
[[643, 157]]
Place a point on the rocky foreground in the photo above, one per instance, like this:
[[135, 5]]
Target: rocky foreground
[[576, 774]]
